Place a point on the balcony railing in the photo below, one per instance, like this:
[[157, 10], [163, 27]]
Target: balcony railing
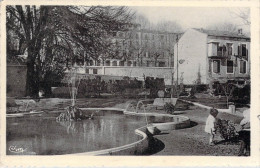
[[220, 54]]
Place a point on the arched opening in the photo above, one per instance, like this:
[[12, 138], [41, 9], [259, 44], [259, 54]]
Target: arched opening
[[129, 63], [98, 62], [121, 63], [91, 63], [107, 63], [114, 63]]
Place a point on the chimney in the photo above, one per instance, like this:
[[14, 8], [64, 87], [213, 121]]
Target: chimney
[[240, 31]]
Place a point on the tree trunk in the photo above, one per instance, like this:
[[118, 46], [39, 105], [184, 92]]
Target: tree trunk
[[32, 83], [32, 86]]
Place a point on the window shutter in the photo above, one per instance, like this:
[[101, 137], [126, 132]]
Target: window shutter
[[216, 66], [230, 65], [210, 65], [238, 50], [244, 67], [247, 54]]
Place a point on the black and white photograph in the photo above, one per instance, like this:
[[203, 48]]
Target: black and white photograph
[[128, 80]]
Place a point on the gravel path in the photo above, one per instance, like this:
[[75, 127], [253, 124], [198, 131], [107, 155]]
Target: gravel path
[[193, 140]]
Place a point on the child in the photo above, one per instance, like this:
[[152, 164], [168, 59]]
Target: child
[[210, 125], [244, 134]]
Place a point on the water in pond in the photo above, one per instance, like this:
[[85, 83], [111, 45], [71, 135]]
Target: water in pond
[[42, 135]]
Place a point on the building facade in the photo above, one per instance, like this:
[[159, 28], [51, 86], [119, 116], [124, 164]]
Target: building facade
[[140, 47], [208, 56]]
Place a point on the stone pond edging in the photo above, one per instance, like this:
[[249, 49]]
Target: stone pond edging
[[139, 146], [204, 106]]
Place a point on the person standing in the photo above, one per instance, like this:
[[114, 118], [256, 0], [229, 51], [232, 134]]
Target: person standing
[[210, 125], [244, 134]]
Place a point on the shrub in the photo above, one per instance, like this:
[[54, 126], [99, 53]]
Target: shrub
[[61, 92], [169, 108], [227, 130]]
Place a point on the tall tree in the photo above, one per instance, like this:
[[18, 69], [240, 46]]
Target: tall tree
[[53, 35], [142, 21], [242, 13], [224, 26], [169, 26]]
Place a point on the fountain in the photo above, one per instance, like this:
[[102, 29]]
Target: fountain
[[73, 113], [106, 135], [156, 122]]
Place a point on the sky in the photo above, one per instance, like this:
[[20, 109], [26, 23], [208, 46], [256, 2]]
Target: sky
[[191, 17]]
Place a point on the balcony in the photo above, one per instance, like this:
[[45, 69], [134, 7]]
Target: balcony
[[217, 50], [218, 55]]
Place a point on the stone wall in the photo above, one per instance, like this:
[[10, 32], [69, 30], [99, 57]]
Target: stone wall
[[16, 80]]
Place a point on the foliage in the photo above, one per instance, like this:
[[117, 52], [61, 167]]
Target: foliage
[[224, 26], [241, 95], [72, 113], [169, 108], [227, 130], [54, 36], [243, 14]]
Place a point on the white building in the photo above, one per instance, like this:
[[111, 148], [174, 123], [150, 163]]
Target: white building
[[206, 56]]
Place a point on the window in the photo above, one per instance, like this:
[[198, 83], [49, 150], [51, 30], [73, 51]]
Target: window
[[129, 63], [121, 63], [214, 49], [172, 64], [107, 63], [162, 37], [221, 50], [229, 48], [242, 69], [161, 64], [216, 66], [94, 71], [243, 49], [87, 71], [114, 63], [91, 62], [98, 62], [148, 63], [230, 65]]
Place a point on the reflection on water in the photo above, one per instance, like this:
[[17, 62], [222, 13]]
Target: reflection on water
[[44, 136]]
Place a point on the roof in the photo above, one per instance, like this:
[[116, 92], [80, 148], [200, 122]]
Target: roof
[[158, 32], [221, 33]]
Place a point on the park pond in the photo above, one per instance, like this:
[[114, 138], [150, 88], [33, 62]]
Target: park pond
[[42, 135]]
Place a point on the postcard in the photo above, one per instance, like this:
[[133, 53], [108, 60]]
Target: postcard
[[130, 83]]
